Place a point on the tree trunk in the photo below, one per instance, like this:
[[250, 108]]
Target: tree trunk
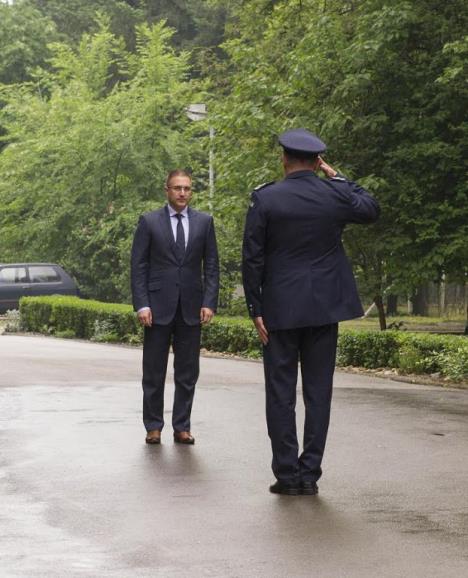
[[381, 309], [392, 305], [442, 297], [419, 300], [466, 323]]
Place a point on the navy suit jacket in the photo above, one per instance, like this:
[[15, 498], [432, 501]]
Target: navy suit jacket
[[159, 280], [295, 271]]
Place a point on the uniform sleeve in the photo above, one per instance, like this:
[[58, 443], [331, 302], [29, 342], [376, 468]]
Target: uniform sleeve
[[253, 256], [211, 269], [362, 208]]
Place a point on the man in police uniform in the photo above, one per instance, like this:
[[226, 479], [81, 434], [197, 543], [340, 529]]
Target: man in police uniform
[[298, 284]]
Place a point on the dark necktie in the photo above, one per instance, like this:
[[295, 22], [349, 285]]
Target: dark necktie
[[180, 238]]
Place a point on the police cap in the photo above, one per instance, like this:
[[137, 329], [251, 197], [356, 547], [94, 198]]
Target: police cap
[[301, 140]]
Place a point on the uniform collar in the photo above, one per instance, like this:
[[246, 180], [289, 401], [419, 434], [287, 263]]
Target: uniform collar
[[303, 173]]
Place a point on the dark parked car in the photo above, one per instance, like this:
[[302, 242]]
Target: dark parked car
[[27, 279]]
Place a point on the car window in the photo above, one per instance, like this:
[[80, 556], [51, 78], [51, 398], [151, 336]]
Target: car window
[[13, 275], [43, 274]]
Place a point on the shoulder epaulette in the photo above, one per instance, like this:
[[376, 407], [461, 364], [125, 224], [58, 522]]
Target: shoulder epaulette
[[263, 185], [342, 179]]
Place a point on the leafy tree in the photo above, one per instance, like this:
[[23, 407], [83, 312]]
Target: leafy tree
[[91, 135], [198, 22], [87, 154], [75, 17], [372, 78], [200, 29], [24, 35]]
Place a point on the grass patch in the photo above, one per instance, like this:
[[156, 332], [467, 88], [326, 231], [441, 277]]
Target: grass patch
[[409, 323]]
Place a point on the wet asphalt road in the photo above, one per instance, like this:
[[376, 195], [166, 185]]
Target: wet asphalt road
[[82, 495]]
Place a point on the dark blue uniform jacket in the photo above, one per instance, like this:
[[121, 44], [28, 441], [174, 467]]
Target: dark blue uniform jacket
[[295, 271]]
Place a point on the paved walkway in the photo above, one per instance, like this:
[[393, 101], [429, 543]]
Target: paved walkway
[[82, 495]]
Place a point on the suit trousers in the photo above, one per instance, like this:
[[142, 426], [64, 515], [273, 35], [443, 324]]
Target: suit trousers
[[315, 349], [185, 340]]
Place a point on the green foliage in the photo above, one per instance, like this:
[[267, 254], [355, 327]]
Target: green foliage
[[199, 23], [24, 35], [232, 335], [453, 363], [65, 334], [71, 316], [104, 331], [231, 306], [410, 352], [73, 18], [13, 321], [88, 149], [92, 116], [369, 349], [383, 84]]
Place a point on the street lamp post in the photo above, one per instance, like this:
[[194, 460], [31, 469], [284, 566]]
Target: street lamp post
[[197, 112]]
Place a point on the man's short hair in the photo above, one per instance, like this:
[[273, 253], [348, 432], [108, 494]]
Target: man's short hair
[[300, 156], [177, 173]]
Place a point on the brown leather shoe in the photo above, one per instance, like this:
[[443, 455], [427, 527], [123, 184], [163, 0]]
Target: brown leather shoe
[[183, 437], [153, 437]]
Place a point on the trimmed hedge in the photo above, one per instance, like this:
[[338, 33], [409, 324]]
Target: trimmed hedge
[[232, 335], [74, 317], [410, 352]]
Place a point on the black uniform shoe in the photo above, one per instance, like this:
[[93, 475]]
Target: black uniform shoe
[[309, 488], [287, 489]]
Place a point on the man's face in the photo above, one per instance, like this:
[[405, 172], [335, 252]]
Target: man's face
[[179, 192]]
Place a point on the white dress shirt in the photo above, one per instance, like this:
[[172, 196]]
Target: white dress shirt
[[185, 225], [185, 222]]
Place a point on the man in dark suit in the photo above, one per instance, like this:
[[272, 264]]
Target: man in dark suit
[[175, 283], [298, 284]]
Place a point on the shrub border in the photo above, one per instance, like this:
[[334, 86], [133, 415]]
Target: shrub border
[[422, 353]]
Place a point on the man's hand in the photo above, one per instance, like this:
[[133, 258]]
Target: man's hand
[[261, 329], [145, 317], [206, 315], [327, 169]]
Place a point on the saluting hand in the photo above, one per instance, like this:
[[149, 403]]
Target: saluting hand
[[261, 329], [325, 168]]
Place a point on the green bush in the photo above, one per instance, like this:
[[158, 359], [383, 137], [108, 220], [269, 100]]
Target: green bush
[[36, 313], [454, 363], [66, 334], [235, 308], [410, 352], [232, 335], [108, 322], [370, 349], [13, 321], [60, 315]]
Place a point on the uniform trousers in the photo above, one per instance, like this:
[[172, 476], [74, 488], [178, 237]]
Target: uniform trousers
[[315, 349], [185, 340]]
